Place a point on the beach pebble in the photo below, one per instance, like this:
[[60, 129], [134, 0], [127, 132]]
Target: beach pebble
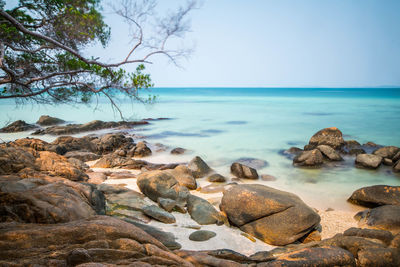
[[202, 235]]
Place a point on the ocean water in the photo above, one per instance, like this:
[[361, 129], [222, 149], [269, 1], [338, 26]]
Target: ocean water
[[224, 124]]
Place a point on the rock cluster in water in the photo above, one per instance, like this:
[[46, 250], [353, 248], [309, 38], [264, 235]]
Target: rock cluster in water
[[55, 211]]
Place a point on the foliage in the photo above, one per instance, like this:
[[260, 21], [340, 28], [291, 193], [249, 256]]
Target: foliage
[[41, 43]]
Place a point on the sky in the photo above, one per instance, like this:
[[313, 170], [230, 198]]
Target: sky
[[280, 43]]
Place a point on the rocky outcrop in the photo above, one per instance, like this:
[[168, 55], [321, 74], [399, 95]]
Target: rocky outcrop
[[155, 184], [202, 211], [332, 137], [90, 126], [274, 216], [385, 217], [18, 126], [198, 167], [100, 239], [368, 161], [46, 120], [376, 195], [243, 171], [309, 158]]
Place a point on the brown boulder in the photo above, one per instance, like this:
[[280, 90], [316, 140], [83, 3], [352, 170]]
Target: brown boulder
[[184, 176], [243, 171], [387, 152], [368, 161], [376, 195], [202, 211], [198, 167], [13, 160], [140, 150], [332, 137], [329, 153], [18, 126], [82, 155], [274, 216], [46, 120], [69, 143], [385, 217], [309, 158]]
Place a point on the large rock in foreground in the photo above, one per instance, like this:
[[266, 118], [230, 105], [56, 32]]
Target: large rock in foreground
[[274, 216], [332, 137], [376, 195], [385, 217]]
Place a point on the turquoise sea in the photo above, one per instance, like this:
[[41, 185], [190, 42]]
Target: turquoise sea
[[224, 124]]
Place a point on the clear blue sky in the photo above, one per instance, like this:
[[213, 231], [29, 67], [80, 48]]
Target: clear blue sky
[[283, 43]]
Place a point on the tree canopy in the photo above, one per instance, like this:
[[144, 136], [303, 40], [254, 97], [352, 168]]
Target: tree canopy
[[41, 44]]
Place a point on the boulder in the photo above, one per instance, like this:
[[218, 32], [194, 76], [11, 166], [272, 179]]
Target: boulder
[[18, 126], [155, 184], [57, 165], [382, 235], [329, 153], [332, 137], [387, 152], [273, 216], [13, 160], [385, 217], [216, 178], [309, 158], [184, 176], [198, 167], [113, 142], [202, 235], [202, 211], [368, 161], [243, 171], [46, 120], [178, 151], [33, 143], [96, 177], [376, 195], [396, 166], [82, 155], [69, 143], [159, 214]]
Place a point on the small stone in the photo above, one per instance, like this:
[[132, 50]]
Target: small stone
[[216, 178], [202, 235]]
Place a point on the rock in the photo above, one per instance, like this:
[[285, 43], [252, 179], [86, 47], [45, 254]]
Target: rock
[[396, 157], [387, 152], [170, 205], [58, 165], [309, 257], [385, 236], [82, 155], [18, 126], [329, 152], [352, 144], [202, 235], [69, 143], [178, 151], [113, 142], [54, 245], [155, 184], [96, 177], [371, 144], [310, 158], [13, 160], [253, 162], [166, 238], [354, 244], [368, 161], [273, 216], [311, 237], [202, 211], [396, 166], [385, 217], [243, 171], [379, 257], [356, 151], [329, 136], [129, 199], [112, 188], [267, 177], [46, 120], [387, 162], [141, 150], [184, 176], [376, 195], [90, 126], [159, 214], [45, 203], [200, 258], [198, 167], [33, 143], [216, 178]]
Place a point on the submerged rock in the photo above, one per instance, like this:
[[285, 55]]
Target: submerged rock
[[243, 171], [46, 120], [376, 195], [18, 126], [310, 158], [332, 137], [274, 216], [178, 151], [368, 161]]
